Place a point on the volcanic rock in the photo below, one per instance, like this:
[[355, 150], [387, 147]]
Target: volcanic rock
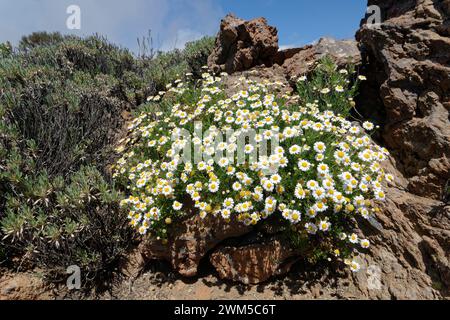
[[190, 241], [253, 264], [407, 59], [241, 45], [303, 62]]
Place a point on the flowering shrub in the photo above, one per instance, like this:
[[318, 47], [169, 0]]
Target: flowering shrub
[[321, 171]]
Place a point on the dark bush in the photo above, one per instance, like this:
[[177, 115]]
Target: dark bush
[[37, 39]]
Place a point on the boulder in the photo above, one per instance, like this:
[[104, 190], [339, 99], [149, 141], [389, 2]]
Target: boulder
[[190, 241], [254, 263], [343, 52], [407, 59], [241, 45]]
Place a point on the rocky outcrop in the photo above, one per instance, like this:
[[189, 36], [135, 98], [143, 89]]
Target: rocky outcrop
[[190, 241], [400, 257], [343, 52], [241, 45], [408, 60]]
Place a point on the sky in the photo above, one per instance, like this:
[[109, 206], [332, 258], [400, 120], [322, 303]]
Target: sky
[[174, 22]]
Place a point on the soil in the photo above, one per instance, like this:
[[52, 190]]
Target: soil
[[159, 283]]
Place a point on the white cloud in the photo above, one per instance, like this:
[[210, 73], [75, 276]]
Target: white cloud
[[288, 46], [173, 22], [179, 40]]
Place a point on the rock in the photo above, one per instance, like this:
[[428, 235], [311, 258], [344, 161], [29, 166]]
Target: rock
[[285, 54], [407, 61], [132, 264], [259, 74], [404, 267], [253, 264], [190, 241], [304, 61], [23, 286], [241, 45], [408, 257], [408, 58]]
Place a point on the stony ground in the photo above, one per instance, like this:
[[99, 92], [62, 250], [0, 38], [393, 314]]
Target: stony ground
[[161, 284]]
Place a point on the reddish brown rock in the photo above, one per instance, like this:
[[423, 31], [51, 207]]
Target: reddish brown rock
[[274, 74], [255, 263], [285, 54], [408, 58], [190, 241], [305, 60], [241, 45], [400, 255]]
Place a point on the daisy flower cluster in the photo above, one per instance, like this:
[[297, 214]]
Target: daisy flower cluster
[[324, 172]]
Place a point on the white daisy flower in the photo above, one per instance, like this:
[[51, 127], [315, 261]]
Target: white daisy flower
[[248, 149], [225, 213], [380, 195], [323, 168], [177, 206], [223, 162], [354, 266], [311, 228], [365, 243], [353, 238], [276, 179], [320, 147], [237, 186], [339, 89], [304, 165], [213, 187], [295, 149], [324, 226], [312, 184], [368, 126]]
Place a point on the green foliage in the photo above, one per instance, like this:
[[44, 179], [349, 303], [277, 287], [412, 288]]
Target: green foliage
[[331, 88], [196, 54], [37, 39], [169, 66], [62, 100], [5, 50], [61, 224]]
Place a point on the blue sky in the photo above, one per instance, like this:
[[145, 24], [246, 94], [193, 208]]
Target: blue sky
[[173, 22]]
